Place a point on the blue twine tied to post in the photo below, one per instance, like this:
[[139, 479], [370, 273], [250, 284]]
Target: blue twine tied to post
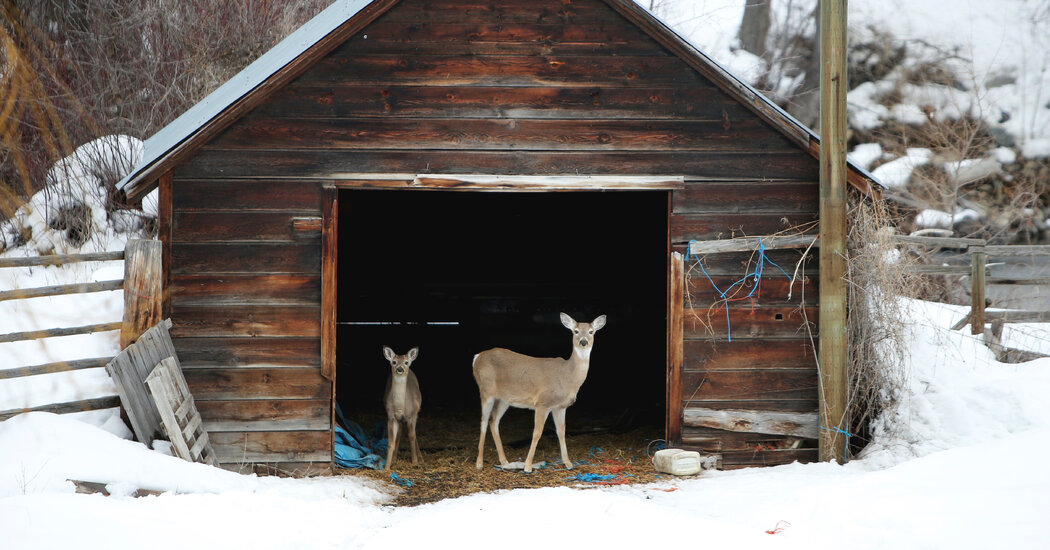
[[755, 275], [836, 429]]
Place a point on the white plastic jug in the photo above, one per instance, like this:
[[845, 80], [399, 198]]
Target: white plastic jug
[[677, 462]]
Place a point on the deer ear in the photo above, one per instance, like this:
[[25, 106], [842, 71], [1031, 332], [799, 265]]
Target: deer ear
[[388, 353], [413, 353], [568, 321], [598, 323]]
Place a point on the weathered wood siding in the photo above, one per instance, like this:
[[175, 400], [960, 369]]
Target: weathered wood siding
[[470, 86]]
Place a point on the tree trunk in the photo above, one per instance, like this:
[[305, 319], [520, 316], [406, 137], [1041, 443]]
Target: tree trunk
[[754, 27]]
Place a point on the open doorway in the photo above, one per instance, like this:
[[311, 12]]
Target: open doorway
[[458, 272]]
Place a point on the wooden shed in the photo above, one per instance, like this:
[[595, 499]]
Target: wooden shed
[[452, 174]]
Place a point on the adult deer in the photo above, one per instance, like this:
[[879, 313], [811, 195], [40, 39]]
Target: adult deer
[[545, 385], [402, 400]]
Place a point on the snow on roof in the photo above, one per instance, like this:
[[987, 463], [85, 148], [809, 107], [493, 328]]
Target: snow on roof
[[183, 127], [186, 125]]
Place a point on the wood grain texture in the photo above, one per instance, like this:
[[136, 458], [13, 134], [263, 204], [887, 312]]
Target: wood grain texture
[[751, 421], [686, 227], [347, 99], [675, 352], [211, 384], [265, 415], [255, 321], [253, 226], [709, 355], [246, 289], [329, 281], [280, 446], [786, 197], [753, 385], [773, 289], [745, 322], [143, 288], [272, 258], [215, 195], [332, 164], [245, 351]]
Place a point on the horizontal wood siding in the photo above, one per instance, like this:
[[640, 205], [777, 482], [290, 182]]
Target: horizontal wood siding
[[245, 302], [545, 87]]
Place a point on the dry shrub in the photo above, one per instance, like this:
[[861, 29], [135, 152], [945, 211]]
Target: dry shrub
[[876, 339]]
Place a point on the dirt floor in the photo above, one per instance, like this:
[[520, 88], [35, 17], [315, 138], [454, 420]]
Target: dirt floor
[[450, 445]]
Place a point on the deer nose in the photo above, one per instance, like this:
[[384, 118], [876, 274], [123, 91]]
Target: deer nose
[[400, 370], [583, 342]]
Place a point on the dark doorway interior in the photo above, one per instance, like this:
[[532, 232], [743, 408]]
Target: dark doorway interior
[[457, 272]]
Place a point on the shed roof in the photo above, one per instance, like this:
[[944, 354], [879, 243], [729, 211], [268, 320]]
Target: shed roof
[[341, 20]]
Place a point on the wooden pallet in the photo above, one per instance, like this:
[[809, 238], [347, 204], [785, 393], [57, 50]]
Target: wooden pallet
[[178, 414]]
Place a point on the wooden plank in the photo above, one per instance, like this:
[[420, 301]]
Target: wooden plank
[[715, 440], [739, 264], [751, 385], [732, 460], [306, 226], [246, 321], [165, 199], [775, 289], [57, 366], [216, 195], [794, 404], [978, 261], [143, 288], [313, 164], [675, 353], [130, 368], [541, 183], [279, 468], [459, 70], [1018, 316], [501, 134], [1015, 250], [938, 269], [265, 415], [61, 290], [164, 397], [709, 355], [938, 242], [748, 244], [82, 405], [251, 226], [244, 289], [346, 99], [297, 446], [55, 332], [715, 226], [510, 11], [257, 383], [268, 258], [789, 197], [329, 281], [181, 419], [213, 351], [1035, 281], [745, 322], [61, 259], [766, 422]]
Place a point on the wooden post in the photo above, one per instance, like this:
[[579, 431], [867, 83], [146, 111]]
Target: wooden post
[[675, 348], [833, 351], [978, 261], [142, 289]]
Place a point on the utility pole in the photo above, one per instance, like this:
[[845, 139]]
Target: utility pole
[[833, 349]]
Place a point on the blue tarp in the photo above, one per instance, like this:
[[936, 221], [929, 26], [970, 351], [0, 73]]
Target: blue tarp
[[354, 448]]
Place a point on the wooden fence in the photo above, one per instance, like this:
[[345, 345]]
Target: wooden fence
[[975, 253], [132, 324]]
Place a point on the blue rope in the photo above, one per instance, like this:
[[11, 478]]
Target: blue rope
[[836, 429], [755, 275], [400, 480]]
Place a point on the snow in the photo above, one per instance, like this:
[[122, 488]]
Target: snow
[[939, 218], [1036, 148], [895, 173], [865, 154]]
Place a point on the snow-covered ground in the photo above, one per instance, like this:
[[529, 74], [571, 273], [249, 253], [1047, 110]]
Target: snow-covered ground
[[957, 464]]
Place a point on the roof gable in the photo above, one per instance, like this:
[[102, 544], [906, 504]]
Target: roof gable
[[340, 21]]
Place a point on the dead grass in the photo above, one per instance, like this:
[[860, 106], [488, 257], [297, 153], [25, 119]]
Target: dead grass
[[449, 447]]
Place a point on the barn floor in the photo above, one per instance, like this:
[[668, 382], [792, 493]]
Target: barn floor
[[449, 446]]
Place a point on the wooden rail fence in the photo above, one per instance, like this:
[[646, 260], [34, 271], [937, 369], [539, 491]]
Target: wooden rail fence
[[130, 326], [976, 253]]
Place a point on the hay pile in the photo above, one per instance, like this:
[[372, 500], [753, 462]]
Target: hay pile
[[449, 448]]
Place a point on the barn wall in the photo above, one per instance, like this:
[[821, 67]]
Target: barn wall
[[462, 86]]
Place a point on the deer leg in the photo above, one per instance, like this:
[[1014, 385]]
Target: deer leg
[[417, 457], [486, 410], [559, 426], [391, 442], [497, 413], [537, 430]]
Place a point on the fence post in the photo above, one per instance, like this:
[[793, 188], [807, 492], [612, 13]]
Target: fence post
[[978, 260], [142, 289]]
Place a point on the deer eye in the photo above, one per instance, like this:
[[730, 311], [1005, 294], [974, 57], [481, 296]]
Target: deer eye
[[577, 331], [590, 331]]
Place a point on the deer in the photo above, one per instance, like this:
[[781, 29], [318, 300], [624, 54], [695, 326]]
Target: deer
[[546, 385], [402, 400]]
